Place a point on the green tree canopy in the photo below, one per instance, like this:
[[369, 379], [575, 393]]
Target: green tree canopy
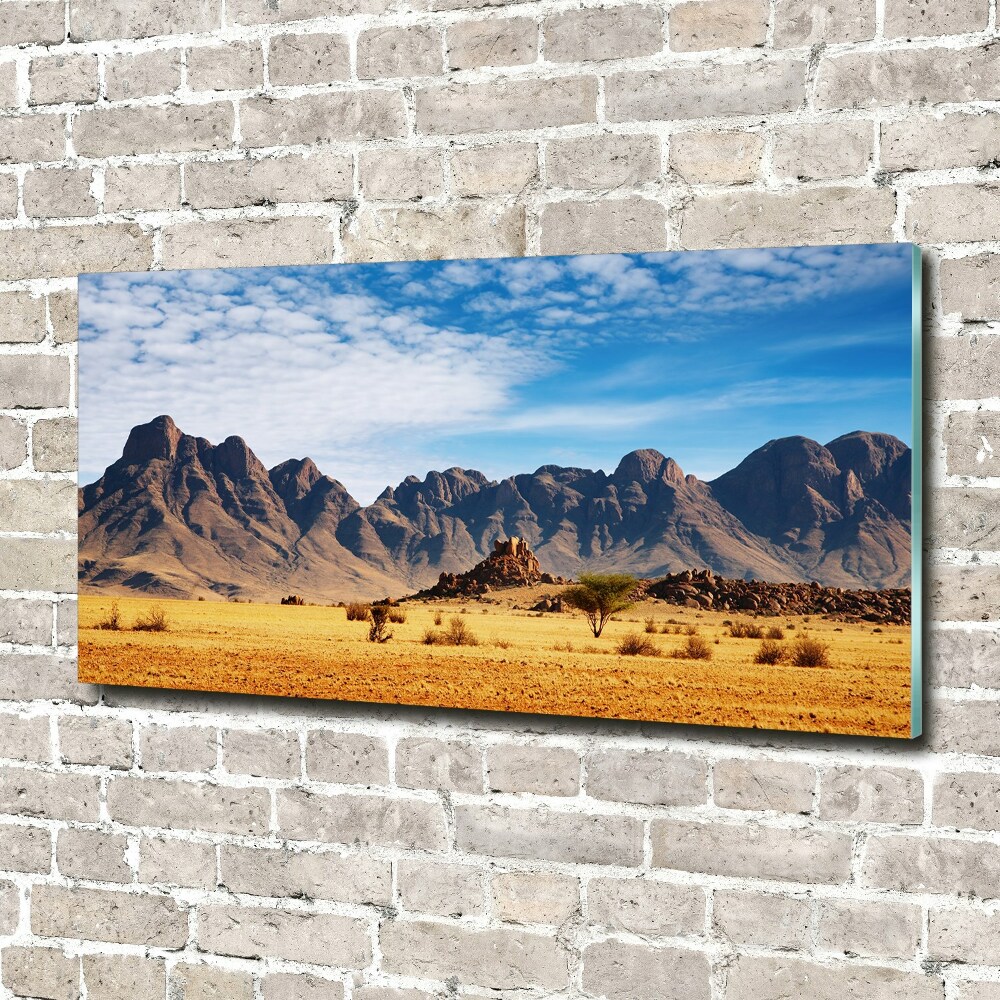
[[600, 596]]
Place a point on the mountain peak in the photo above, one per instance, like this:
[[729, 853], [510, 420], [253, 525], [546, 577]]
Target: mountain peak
[[235, 459], [156, 440], [294, 478], [645, 465]]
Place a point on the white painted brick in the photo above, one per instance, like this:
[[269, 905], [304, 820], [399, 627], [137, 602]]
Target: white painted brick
[[54, 194], [935, 142], [594, 34], [766, 978], [32, 138], [621, 970], [469, 230], [225, 67], [320, 177], [920, 18], [603, 161], [508, 41], [358, 114], [63, 79], [762, 919], [91, 19], [347, 759], [142, 188], [309, 59], [93, 854], [644, 906], [811, 22], [96, 740], [636, 225], [54, 445], [413, 50], [247, 243], [698, 25], [345, 877], [440, 888], [401, 174], [117, 977], [872, 929], [753, 88], [171, 861], [487, 170], [293, 935], [168, 129], [267, 753], [476, 957], [41, 972], [918, 76], [716, 157], [506, 104], [39, 22], [807, 216], [823, 152], [539, 770], [142, 74], [535, 897]]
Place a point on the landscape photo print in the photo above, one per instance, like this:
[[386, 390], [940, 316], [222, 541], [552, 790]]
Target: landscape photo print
[[677, 487]]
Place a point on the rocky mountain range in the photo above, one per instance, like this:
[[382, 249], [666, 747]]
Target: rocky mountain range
[[178, 516]]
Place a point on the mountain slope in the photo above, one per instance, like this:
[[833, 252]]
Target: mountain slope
[[179, 516]]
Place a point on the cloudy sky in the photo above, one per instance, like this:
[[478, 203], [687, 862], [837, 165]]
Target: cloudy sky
[[383, 370]]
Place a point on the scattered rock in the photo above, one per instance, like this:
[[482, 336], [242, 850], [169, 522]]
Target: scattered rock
[[700, 588]]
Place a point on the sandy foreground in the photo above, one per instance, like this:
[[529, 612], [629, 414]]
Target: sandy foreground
[[524, 662]]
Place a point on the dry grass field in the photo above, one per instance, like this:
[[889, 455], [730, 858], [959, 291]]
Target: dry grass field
[[524, 662]]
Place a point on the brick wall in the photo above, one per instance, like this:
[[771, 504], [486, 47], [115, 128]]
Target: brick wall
[[162, 845]]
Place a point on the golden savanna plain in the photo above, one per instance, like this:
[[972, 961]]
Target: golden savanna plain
[[524, 662]]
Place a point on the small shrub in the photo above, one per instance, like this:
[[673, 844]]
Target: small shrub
[[790, 626], [563, 647], [810, 653], [650, 626], [745, 630], [770, 652], [437, 618], [155, 620], [876, 631], [459, 634], [696, 648], [635, 644], [502, 643], [691, 630], [113, 622], [357, 611], [775, 633], [397, 615], [201, 598], [380, 620], [431, 638]]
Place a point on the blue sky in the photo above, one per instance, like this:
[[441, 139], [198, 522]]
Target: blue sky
[[378, 371]]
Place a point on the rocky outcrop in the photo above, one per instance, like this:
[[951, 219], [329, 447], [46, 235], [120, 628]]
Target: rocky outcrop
[[510, 564], [702, 589]]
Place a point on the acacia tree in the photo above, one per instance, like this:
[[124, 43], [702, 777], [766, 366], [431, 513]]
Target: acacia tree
[[600, 596]]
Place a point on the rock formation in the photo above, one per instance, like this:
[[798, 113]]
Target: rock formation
[[510, 564], [702, 589]]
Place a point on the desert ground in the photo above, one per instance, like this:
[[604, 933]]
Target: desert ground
[[525, 661]]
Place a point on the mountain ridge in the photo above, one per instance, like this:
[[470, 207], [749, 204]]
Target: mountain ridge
[[178, 516]]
